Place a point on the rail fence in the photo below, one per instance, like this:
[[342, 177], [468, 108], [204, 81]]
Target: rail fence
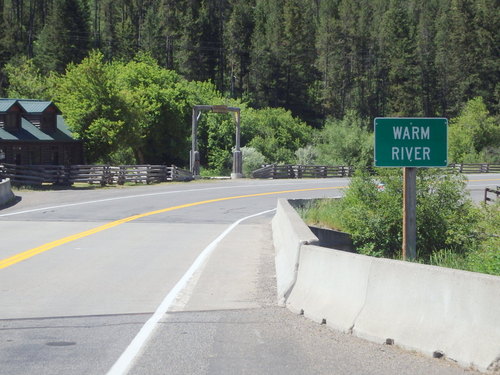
[[315, 171], [494, 192], [92, 174], [302, 171], [147, 174], [476, 168]]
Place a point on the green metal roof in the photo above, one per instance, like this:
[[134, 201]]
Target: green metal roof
[[36, 106], [28, 131], [29, 105], [5, 135], [62, 132], [34, 132], [5, 104]]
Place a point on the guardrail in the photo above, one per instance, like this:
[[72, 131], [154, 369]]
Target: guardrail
[[92, 174], [322, 171]]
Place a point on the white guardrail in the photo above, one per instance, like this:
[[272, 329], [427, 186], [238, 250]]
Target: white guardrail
[[433, 310], [6, 193]]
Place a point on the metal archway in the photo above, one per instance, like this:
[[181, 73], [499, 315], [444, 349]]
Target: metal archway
[[194, 154]]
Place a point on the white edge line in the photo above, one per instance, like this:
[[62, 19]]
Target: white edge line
[[122, 365]]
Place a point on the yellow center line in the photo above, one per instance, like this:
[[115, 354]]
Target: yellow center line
[[485, 179], [4, 263]]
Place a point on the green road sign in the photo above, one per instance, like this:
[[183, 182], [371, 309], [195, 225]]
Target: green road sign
[[411, 142]]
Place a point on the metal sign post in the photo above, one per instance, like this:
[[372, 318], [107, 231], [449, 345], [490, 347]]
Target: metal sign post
[[409, 213], [410, 143]]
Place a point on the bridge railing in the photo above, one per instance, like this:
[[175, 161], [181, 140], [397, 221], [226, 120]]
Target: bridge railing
[[92, 174], [494, 192], [147, 174], [302, 171], [274, 171], [476, 168]]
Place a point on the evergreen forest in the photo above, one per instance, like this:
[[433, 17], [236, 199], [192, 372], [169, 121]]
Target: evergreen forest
[[329, 65]]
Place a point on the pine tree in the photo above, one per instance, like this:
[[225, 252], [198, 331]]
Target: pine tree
[[400, 59], [65, 37], [455, 57], [487, 52], [348, 58], [190, 60], [299, 56], [426, 56], [171, 27], [238, 36], [152, 40], [267, 80]]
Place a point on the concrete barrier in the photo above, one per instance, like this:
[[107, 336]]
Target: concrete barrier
[[331, 285], [434, 310], [424, 308], [6, 193], [289, 235]]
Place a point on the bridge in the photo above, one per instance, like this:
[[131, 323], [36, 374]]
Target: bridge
[[168, 279]]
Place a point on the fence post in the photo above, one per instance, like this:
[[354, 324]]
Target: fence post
[[121, 175], [297, 171], [105, 173]]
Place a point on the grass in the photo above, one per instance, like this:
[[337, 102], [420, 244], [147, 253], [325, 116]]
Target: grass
[[484, 257], [317, 212]]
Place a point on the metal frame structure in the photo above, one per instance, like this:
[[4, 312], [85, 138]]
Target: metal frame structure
[[194, 154]]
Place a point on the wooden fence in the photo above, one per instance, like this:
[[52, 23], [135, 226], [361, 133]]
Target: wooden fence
[[494, 192], [315, 171], [476, 168], [147, 174], [92, 174], [302, 171]]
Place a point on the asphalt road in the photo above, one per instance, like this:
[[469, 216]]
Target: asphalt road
[[83, 291]]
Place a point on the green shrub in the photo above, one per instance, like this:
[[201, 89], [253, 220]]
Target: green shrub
[[306, 155], [486, 258], [345, 142], [252, 160], [446, 217], [275, 133], [474, 135]]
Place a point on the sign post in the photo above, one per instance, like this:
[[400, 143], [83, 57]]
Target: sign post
[[409, 213], [410, 143]]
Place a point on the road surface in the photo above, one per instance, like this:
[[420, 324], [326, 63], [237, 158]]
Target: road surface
[[164, 279]]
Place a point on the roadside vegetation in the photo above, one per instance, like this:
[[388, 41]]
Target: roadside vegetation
[[451, 230], [309, 76]]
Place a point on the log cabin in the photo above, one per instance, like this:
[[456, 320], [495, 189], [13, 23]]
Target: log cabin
[[33, 132]]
